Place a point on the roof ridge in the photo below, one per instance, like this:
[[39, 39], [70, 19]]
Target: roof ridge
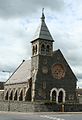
[[15, 70]]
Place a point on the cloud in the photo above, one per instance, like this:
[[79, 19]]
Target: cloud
[[19, 20], [13, 43], [79, 83], [15, 37], [17, 8], [4, 76]]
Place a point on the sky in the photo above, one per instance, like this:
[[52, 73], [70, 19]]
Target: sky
[[19, 20]]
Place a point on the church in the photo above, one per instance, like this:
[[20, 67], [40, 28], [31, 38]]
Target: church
[[47, 76]]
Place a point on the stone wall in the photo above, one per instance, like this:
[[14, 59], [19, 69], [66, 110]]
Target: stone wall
[[16, 106], [73, 107], [21, 106], [1, 94], [38, 107]]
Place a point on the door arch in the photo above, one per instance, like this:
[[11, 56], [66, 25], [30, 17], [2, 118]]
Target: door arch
[[54, 95], [61, 95], [58, 95]]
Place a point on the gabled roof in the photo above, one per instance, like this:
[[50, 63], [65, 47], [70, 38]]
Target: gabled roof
[[21, 74], [61, 59], [42, 31]]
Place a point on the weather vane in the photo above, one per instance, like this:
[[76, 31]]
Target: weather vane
[[43, 17], [43, 10]]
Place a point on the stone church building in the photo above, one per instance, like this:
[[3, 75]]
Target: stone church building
[[46, 77]]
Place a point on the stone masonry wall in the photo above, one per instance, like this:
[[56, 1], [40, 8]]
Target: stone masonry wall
[[16, 106], [19, 106]]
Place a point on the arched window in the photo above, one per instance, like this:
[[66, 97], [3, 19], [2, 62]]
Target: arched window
[[33, 50], [28, 91], [21, 95], [36, 49], [43, 50], [15, 96], [47, 48], [6, 96], [60, 97], [28, 95], [54, 96], [11, 95]]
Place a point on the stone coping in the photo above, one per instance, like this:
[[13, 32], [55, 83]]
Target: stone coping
[[39, 113]]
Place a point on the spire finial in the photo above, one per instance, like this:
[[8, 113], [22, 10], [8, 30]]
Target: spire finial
[[43, 17], [42, 10]]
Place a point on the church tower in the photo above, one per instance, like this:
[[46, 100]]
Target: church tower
[[42, 48]]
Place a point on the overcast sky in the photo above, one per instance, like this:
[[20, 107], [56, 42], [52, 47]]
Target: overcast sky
[[19, 20]]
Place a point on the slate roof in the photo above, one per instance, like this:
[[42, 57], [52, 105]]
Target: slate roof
[[21, 74], [42, 31]]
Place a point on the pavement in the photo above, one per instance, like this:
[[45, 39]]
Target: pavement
[[40, 115]]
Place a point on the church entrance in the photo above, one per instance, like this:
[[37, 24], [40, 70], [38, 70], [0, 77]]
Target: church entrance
[[60, 97]]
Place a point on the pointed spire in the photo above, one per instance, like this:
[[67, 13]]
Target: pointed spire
[[42, 31], [43, 16]]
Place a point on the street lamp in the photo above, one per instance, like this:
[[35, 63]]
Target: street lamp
[[7, 71]]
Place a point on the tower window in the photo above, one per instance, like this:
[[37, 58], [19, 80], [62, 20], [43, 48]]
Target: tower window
[[47, 48], [43, 49], [34, 51]]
